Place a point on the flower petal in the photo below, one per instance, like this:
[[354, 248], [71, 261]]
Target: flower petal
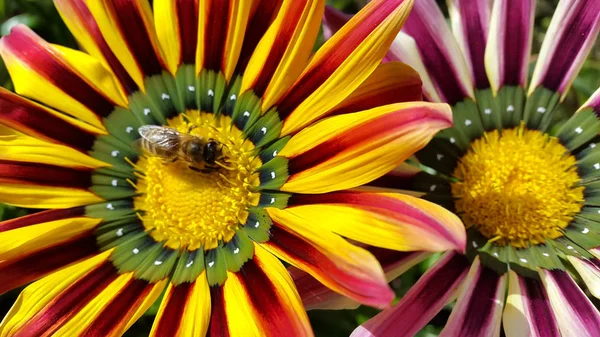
[[593, 102], [35, 120], [333, 20], [221, 29], [439, 51], [284, 50], [478, 310], [527, 311], [12, 172], [342, 63], [37, 303], [404, 49], [184, 311], [315, 295], [128, 28], [387, 220], [509, 44], [49, 75], [390, 83], [589, 270], [570, 37], [259, 301], [577, 315], [341, 266], [38, 196], [436, 288], [349, 150], [82, 25], [177, 30], [470, 25]]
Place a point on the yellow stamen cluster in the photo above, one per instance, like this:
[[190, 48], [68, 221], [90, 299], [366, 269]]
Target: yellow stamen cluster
[[188, 209], [518, 187]]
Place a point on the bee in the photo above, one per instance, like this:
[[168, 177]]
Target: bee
[[171, 145]]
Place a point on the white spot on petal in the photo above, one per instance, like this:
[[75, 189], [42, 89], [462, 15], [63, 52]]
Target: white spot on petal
[[237, 250], [272, 175], [474, 244], [487, 111], [210, 92], [111, 207], [452, 140], [114, 182], [523, 260], [189, 264], [157, 263], [119, 232], [585, 230], [191, 88], [592, 145], [570, 247], [495, 254], [275, 153], [468, 122], [246, 114], [233, 97], [211, 263], [597, 166], [257, 224], [264, 130], [135, 251], [439, 156], [546, 254], [541, 109], [128, 129], [164, 96], [147, 111], [579, 130], [114, 153], [432, 188], [510, 108], [272, 200]]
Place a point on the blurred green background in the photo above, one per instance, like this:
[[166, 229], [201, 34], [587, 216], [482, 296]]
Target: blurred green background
[[41, 16]]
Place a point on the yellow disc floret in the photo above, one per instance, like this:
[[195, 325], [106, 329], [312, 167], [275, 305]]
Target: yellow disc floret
[[188, 209], [518, 187]]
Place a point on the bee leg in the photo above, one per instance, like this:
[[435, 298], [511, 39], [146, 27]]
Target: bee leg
[[170, 161], [192, 127], [195, 169]]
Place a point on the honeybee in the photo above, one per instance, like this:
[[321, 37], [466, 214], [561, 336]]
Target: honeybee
[[170, 145]]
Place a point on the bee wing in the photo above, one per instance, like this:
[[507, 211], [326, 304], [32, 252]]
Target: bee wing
[[162, 137]]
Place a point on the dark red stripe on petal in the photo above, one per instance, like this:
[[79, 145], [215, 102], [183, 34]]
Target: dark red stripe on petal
[[335, 56], [362, 133], [391, 94], [582, 306], [476, 39], [216, 28], [187, 12], [133, 29], [481, 304], [443, 74], [172, 315], [15, 273], [261, 291], [44, 174], [25, 116], [516, 41], [218, 319], [257, 27], [69, 302], [41, 217], [539, 306], [119, 310], [91, 26], [282, 40], [578, 30], [387, 257], [29, 48]]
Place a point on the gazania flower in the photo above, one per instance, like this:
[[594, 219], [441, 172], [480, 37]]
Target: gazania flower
[[520, 172], [239, 171]]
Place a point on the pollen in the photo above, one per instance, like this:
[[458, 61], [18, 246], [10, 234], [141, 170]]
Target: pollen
[[187, 209], [517, 188]]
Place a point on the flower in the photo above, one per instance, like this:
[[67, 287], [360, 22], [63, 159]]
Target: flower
[[519, 167], [239, 169]]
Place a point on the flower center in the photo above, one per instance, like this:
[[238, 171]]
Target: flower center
[[185, 208], [518, 187]]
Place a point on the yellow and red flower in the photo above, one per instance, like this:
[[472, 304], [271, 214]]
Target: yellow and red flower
[[123, 226], [519, 167]]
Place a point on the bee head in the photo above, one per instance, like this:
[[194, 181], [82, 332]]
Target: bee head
[[211, 151]]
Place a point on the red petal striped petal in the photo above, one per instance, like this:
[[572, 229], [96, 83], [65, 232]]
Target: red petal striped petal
[[43, 174], [41, 217]]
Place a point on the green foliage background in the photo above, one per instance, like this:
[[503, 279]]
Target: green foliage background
[[41, 16]]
